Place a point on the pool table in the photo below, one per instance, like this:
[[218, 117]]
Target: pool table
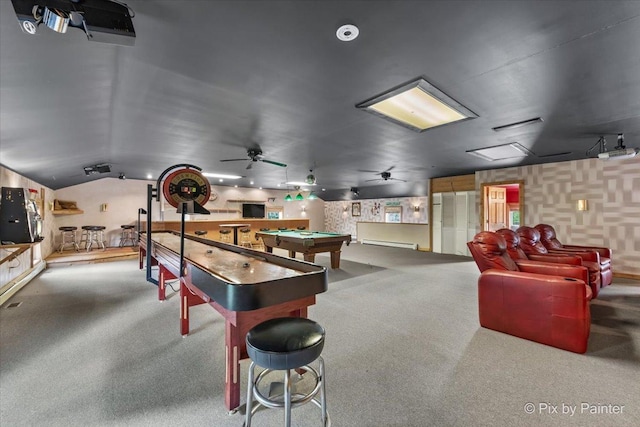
[[309, 243]]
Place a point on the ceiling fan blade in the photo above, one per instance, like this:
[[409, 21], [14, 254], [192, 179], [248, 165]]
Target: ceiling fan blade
[[233, 160], [389, 168], [250, 165], [368, 171], [369, 180], [396, 179], [274, 163]]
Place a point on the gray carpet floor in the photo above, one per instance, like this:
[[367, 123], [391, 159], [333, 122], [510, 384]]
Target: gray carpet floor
[[91, 345]]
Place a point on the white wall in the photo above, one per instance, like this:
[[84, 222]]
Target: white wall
[[124, 197], [338, 217]]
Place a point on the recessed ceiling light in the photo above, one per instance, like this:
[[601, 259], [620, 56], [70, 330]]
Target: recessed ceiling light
[[501, 152], [149, 176], [347, 33], [251, 183], [417, 105]]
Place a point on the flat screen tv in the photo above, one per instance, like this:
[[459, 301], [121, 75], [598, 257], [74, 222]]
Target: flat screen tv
[[252, 210]]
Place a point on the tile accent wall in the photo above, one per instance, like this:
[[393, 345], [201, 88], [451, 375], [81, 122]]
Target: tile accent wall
[[612, 189], [337, 220]]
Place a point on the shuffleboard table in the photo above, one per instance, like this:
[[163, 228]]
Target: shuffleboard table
[[309, 243], [245, 286]]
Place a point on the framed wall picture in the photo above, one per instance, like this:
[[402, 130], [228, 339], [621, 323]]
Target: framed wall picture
[[355, 209]]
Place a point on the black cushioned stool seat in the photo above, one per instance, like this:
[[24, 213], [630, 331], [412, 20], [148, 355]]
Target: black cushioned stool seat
[[283, 344]]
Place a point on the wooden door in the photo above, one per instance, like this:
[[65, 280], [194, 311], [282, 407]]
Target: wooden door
[[496, 218]]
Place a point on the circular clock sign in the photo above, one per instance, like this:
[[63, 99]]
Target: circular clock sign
[[185, 185]]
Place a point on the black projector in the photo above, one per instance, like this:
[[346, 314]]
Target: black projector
[[102, 21]]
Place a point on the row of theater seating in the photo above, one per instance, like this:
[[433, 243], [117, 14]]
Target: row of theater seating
[[535, 288]]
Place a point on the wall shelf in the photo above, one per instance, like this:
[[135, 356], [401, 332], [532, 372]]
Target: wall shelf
[[67, 211]]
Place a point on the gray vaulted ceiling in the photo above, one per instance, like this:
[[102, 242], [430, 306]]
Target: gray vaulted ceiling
[[208, 79]]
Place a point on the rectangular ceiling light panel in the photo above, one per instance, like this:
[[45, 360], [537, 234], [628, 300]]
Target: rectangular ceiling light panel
[[417, 105], [501, 152]]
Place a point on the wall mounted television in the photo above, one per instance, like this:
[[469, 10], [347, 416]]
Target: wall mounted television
[[253, 210]]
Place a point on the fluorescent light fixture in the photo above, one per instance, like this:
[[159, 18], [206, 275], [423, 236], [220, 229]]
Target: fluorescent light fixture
[[298, 183], [220, 175], [517, 124], [417, 105], [501, 152]]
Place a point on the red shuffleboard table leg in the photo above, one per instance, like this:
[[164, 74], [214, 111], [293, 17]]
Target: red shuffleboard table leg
[[163, 276]]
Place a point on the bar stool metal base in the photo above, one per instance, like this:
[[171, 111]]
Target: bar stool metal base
[[289, 400]]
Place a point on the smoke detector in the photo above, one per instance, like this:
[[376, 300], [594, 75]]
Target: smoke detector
[[347, 33]]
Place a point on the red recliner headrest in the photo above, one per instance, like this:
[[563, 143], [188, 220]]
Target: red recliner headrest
[[513, 243], [548, 236], [530, 240], [489, 251]]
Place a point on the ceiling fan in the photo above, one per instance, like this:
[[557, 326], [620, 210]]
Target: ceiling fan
[[255, 155], [384, 176]]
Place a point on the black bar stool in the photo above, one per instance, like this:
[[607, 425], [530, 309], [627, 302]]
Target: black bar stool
[[68, 237], [283, 344], [127, 234], [200, 233]]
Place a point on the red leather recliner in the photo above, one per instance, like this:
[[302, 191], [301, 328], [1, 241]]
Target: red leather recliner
[[531, 244], [541, 302], [516, 253], [550, 241]]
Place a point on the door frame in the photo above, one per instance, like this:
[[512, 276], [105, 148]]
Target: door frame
[[483, 196]]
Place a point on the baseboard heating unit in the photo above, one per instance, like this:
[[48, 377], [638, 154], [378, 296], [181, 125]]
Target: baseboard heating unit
[[413, 246]]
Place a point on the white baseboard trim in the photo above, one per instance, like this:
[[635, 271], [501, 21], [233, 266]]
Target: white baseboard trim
[[413, 246], [20, 281]]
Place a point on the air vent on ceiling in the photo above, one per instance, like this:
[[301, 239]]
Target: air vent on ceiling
[[517, 124]]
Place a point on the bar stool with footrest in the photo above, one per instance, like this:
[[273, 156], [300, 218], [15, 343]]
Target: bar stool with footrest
[[68, 237], [93, 234], [225, 235], [200, 233], [282, 228], [127, 234], [283, 344], [245, 237], [302, 227]]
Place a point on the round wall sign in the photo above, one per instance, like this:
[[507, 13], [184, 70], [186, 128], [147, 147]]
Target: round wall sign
[[185, 185]]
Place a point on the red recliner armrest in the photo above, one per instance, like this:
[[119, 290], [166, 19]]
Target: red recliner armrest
[[557, 258], [554, 269], [592, 256], [551, 310], [604, 252]]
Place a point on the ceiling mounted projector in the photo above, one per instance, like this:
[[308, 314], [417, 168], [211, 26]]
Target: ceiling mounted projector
[[104, 21], [620, 151], [623, 153]]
